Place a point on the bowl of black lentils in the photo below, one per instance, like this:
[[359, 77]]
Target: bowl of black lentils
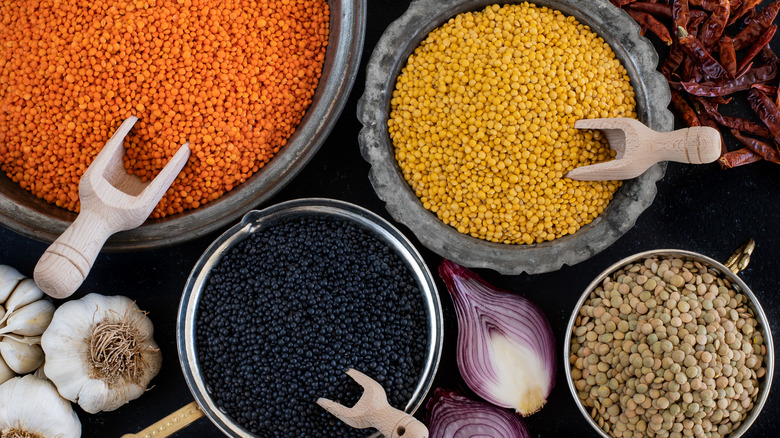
[[669, 343], [282, 304]]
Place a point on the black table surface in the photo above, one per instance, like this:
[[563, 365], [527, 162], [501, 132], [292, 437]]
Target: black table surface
[[698, 208]]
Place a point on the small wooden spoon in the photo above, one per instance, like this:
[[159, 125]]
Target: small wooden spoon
[[111, 200], [372, 410], [639, 147]]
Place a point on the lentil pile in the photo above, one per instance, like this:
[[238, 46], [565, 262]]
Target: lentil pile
[[288, 310], [666, 347], [482, 120], [231, 77]]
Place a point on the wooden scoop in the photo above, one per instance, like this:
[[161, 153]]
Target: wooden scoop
[[372, 410], [639, 147], [111, 200]]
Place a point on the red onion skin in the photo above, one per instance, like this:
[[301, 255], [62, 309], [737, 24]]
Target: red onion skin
[[451, 415], [482, 307]]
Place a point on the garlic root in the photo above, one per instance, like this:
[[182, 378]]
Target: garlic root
[[100, 352], [31, 407]]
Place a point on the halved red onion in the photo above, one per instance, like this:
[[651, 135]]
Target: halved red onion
[[451, 415], [506, 349]]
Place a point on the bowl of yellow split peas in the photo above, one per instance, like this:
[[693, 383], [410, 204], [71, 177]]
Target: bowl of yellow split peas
[[468, 124]]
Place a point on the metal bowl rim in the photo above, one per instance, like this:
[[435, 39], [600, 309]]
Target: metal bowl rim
[[695, 256], [257, 219]]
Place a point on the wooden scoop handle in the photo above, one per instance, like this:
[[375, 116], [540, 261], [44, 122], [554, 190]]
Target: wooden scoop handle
[[67, 261], [170, 424], [696, 145]]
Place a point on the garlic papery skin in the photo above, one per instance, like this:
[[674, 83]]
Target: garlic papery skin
[[6, 373], [19, 356], [9, 278], [31, 407], [25, 293], [100, 352], [30, 320]]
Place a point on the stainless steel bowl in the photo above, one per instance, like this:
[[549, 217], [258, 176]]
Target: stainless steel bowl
[[258, 220], [24, 213], [390, 55], [736, 282]]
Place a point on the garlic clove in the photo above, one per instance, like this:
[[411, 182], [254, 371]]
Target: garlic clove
[[25, 293], [9, 278], [30, 320], [39, 372], [67, 352], [34, 406], [29, 340], [97, 396], [6, 373], [2, 314], [20, 357]]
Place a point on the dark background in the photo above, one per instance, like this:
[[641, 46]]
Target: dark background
[[698, 208]]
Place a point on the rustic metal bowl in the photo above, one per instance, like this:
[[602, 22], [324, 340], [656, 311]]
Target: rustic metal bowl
[[390, 55], [33, 217], [736, 282], [290, 210]]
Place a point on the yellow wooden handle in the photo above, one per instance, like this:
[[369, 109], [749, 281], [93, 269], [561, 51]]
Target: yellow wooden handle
[[170, 424]]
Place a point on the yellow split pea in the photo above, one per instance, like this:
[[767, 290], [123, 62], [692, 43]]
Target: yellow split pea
[[482, 120]]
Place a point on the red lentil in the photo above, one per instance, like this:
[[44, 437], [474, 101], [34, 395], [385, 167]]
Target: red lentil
[[232, 77]]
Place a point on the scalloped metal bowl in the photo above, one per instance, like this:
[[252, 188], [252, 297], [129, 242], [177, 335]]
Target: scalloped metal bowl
[[738, 285], [24, 213], [390, 55]]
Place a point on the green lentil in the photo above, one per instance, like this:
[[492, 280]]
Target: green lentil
[[687, 358]]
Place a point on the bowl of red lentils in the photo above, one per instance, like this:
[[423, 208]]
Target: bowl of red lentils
[[468, 124], [254, 87], [669, 343]]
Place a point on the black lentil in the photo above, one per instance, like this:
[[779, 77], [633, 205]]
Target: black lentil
[[286, 311]]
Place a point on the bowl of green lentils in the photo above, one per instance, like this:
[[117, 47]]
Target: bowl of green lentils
[[468, 124], [669, 343]]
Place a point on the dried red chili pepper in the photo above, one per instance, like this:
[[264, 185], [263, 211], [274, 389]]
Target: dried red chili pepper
[[744, 69], [621, 3], [756, 26], [766, 89], [673, 60], [766, 110], [735, 4], [757, 46], [684, 110], [690, 71], [680, 13], [742, 125], [659, 10], [739, 157], [706, 120], [697, 18], [766, 151], [767, 56], [715, 25], [746, 7], [763, 74], [652, 24], [699, 54], [728, 56]]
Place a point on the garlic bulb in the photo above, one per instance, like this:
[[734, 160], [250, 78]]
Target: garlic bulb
[[31, 408], [24, 314], [100, 352]]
